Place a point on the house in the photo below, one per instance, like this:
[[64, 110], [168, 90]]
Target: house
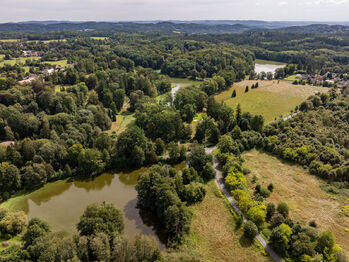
[[7, 143], [48, 72], [28, 79]]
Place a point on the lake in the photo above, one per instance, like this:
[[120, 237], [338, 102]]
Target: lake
[[61, 203]]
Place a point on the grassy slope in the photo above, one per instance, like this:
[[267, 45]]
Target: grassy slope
[[99, 38], [271, 99], [268, 62], [303, 193], [213, 233]]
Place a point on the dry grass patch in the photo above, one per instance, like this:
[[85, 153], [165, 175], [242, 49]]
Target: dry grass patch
[[302, 192], [213, 234]]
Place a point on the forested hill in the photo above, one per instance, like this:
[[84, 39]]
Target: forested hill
[[164, 27], [195, 27]]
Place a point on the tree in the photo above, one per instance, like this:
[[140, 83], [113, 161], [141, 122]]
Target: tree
[[283, 209], [234, 93], [36, 228], [90, 161], [250, 230], [246, 89], [13, 223], [238, 115], [198, 158], [119, 98], [225, 144], [257, 214], [270, 210], [159, 146], [280, 238], [325, 242], [104, 218], [208, 172]]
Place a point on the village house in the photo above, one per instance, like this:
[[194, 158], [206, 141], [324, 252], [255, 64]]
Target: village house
[[28, 79]]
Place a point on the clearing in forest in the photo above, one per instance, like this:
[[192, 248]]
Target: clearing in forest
[[271, 99], [308, 197], [20, 60], [213, 233]]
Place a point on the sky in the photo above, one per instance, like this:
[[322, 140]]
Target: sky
[[130, 10]]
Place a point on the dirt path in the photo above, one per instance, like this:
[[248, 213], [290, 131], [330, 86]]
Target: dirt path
[[220, 183]]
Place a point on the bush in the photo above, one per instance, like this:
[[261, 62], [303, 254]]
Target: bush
[[250, 230], [312, 223], [283, 209], [271, 187]]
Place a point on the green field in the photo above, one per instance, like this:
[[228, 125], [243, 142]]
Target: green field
[[271, 99], [268, 62], [121, 123], [59, 63], [20, 60], [99, 37], [183, 82], [9, 40], [291, 78]]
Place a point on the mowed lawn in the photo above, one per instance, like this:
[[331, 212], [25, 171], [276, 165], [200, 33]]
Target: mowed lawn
[[213, 234], [271, 99], [303, 193]]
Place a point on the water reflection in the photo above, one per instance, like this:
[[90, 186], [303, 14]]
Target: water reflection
[[61, 203]]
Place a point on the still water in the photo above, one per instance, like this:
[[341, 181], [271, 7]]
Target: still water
[[61, 203]]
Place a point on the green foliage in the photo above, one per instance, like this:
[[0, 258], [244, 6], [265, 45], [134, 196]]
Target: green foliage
[[283, 209], [104, 218], [250, 230]]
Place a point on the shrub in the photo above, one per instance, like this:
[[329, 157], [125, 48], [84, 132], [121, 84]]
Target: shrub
[[250, 230], [283, 209], [312, 223], [271, 187]]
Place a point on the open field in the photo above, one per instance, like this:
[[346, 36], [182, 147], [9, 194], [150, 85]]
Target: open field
[[213, 233], [20, 60], [99, 37], [291, 78], [121, 123], [303, 193], [268, 62], [271, 99], [59, 63], [183, 82], [8, 40]]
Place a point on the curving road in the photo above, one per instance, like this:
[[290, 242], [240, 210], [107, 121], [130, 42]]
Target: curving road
[[220, 183]]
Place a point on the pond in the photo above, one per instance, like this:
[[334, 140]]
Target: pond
[[61, 203]]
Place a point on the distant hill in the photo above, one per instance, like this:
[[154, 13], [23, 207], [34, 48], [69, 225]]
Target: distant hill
[[177, 26]]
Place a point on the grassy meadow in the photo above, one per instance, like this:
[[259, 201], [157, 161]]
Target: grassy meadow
[[59, 63], [121, 123], [9, 40], [268, 62], [214, 233], [271, 99], [308, 197], [99, 38], [20, 60], [184, 82]]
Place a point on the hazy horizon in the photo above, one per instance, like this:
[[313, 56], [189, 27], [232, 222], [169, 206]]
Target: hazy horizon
[[165, 10]]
